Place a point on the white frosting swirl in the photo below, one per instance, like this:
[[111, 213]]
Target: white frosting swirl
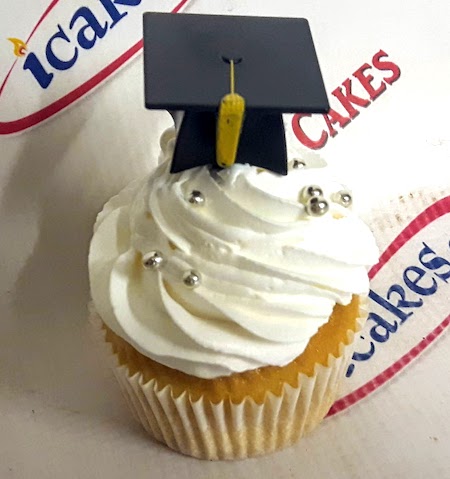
[[270, 274]]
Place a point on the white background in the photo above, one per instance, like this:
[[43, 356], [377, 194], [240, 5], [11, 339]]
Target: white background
[[61, 413]]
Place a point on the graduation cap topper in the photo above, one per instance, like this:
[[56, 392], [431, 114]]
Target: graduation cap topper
[[233, 77]]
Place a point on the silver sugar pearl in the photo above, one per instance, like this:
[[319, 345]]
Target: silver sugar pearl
[[192, 279], [344, 198], [153, 260], [298, 164], [317, 206], [196, 198], [311, 191]]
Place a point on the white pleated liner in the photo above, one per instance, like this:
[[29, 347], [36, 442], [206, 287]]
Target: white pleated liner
[[226, 430]]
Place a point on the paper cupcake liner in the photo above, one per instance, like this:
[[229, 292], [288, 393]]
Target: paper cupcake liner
[[227, 430]]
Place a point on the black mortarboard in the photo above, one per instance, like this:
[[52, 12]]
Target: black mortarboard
[[187, 67]]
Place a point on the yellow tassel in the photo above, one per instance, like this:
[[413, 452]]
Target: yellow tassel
[[229, 125]]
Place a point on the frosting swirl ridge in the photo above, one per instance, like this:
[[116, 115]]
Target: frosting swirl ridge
[[270, 274]]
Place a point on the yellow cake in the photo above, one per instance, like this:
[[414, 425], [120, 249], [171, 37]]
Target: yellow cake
[[255, 383]]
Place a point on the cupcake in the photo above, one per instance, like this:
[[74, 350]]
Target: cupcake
[[228, 299], [228, 306]]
